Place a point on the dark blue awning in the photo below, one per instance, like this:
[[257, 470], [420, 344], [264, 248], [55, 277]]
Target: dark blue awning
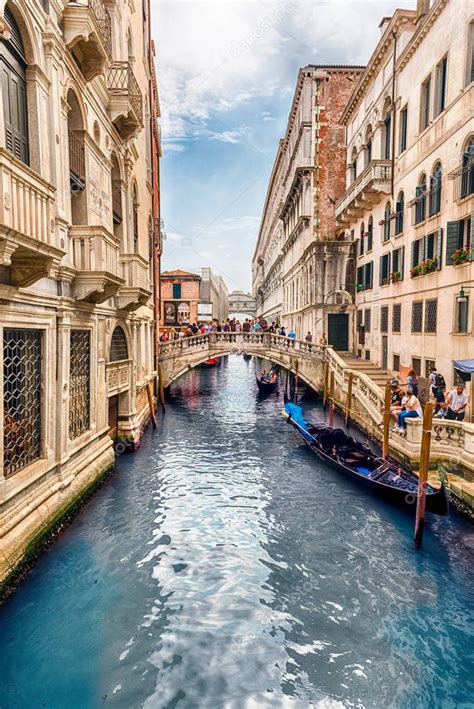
[[466, 366]]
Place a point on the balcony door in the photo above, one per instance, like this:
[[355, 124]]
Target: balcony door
[[338, 331], [13, 77]]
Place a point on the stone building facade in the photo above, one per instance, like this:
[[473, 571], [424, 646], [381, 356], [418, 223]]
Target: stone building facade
[[180, 294], [77, 234], [214, 291], [242, 305], [409, 201], [302, 274]]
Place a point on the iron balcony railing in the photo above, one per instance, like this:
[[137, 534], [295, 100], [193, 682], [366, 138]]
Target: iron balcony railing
[[104, 24], [77, 163], [463, 177], [121, 81]]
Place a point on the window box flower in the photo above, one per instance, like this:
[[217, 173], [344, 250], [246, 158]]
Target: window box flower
[[461, 255], [395, 276]]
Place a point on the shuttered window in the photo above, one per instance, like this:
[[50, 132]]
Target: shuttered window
[[13, 78], [398, 264], [384, 275], [460, 235]]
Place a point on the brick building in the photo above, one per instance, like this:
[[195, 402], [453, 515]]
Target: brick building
[[303, 275], [180, 294]]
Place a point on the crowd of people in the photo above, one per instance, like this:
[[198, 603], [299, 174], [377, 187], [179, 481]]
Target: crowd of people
[[233, 325], [405, 403]]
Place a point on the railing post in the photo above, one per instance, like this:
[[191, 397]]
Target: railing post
[[331, 400], [423, 473], [386, 420], [349, 397]]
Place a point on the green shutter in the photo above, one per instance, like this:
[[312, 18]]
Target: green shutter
[[424, 244], [439, 249], [452, 240], [380, 270], [413, 254], [401, 262], [472, 216]]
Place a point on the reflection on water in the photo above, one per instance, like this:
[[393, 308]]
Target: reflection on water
[[224, 566]]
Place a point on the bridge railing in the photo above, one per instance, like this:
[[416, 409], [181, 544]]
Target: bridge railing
[[238, 340]]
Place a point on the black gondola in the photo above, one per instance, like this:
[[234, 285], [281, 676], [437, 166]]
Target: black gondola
[[334, 446], [247, 357], [267, 382]]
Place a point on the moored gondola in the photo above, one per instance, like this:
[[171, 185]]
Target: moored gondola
[[334, 446]]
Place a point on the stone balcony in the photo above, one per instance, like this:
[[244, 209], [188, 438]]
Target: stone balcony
[[126, 102], [136, 291], [87, 32], [118, 376], [96, 261], [368, 189], [28, 241]]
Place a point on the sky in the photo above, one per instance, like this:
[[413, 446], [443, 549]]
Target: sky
[[226, 76]]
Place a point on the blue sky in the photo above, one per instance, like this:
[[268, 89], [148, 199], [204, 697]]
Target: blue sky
[[226, 74]]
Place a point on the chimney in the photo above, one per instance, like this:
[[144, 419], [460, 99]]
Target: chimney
[[422, 8], [384, 24]]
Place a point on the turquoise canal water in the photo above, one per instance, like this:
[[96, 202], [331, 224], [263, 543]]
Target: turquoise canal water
[[224, 566]]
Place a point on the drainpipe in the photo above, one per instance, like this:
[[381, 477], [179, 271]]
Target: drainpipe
[[394, 37]]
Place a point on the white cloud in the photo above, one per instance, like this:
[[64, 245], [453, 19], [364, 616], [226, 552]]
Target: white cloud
[[169, 147], [267, 116]]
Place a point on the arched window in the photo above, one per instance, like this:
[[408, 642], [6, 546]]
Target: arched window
[[150, 247], [354, 164], [435, 190], [370, 234], [118, 345], [15, 109], [361, 239], [400, 207], [386, 223], [467, 175], [420, 200], [368, 145], [117, 213], [387, 130], [135, 218], [77, 162]]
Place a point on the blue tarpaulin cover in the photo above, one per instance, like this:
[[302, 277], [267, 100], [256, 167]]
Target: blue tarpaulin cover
[[465, 365]]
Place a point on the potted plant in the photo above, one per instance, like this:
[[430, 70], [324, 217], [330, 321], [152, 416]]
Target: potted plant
[[415, 271], [428, 265], [461, 255], [395, 276]]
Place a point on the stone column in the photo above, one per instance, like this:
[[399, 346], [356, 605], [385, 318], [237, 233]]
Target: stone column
[[63, 351]]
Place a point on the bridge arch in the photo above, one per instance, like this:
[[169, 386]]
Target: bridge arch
[[180, 357]]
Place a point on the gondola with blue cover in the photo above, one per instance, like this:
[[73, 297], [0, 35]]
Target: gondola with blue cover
[[335, 447]]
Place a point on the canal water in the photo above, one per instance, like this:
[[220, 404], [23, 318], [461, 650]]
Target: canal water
[[224, 566]]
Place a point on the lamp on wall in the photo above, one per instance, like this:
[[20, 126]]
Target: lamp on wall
[[462, 298]]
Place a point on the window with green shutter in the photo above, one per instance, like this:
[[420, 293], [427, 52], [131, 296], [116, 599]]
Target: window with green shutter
[[13, 79]]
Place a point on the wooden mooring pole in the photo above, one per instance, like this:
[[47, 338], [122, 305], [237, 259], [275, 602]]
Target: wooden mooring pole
[[331, 400], [423, 474], [161, 388], [149, 390], [349, 397], [386, 420], [326, 384], [295, 393]]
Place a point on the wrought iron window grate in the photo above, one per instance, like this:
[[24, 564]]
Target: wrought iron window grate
[[79, 383], [417, 316], [21, 398], [118, 346], [397, 317], [431, 315], [384, 318]]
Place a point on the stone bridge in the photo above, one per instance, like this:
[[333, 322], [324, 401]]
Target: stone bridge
[[452, 441], [179, 356]]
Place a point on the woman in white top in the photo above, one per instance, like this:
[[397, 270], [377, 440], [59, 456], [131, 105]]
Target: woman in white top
[[413, 410]]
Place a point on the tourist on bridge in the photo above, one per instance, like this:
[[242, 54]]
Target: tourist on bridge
[[309, 340], [246, 326], [282, 332], [437, 384], [413, 410], [292, 334], [457, 401], [412, 381]]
